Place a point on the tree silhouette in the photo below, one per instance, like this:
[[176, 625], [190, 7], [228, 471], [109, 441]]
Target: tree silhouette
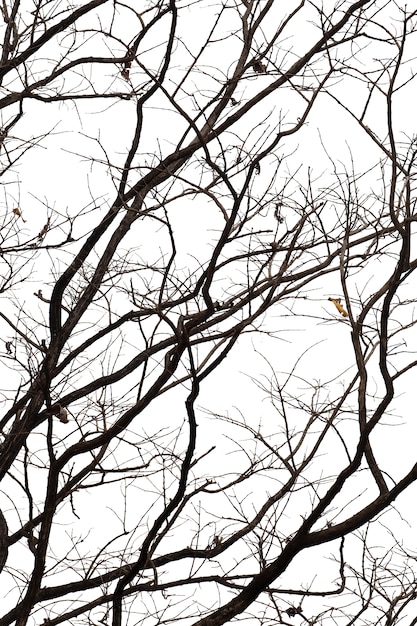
[[207, 206]]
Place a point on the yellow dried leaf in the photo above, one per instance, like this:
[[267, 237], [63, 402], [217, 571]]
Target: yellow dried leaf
[[338, 305]]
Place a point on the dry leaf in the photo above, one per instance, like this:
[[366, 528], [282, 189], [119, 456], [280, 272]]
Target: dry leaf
[[338, 305], [18, 212], [60, 412], [44, 230], [259, 67]]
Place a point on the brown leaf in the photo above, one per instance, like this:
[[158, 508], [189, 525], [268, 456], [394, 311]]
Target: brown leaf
[[44, 229], [18, 213], [259, 67]]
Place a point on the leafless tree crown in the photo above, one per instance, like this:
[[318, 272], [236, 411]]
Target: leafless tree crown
[[208, 310]]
